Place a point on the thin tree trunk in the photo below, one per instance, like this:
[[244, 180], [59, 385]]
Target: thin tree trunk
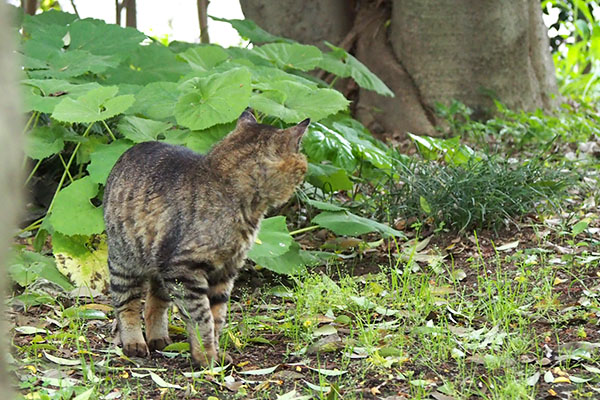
[[131, 17], [29, 6], [118, 9], [203, 19], [10, 171]]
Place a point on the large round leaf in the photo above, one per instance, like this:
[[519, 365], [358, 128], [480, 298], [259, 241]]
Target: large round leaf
[[96, 105], [217, 99], [73, 213], [273, 239], [104, 158], [291, 55]]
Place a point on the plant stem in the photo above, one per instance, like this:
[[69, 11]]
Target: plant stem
[[62, 160], [112, 136], [32, 172], [64, 175], [306, 229]]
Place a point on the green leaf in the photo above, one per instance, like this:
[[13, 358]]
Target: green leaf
[[346, 223], [156, 100], [44, 94], [344, 64], [96, 105], [424, 205], [292, 101], [82, 259], [73, 214], [451, 149], [217, 99], [100, 38], [203, 141], [148, 64], [291, 262], [140, 129], [27, 266], [580, 227], [321, 205], [83, 313], [204, 58], [248, 29], [328, 177], [59, 64], [291, 55], [44, 141], [273, 239], [104, 158]]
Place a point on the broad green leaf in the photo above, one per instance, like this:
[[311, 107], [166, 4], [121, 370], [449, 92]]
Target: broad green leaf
[[292, 101], [44, 94], [104, 158], [291, 55], [44, 141], [248, 29], [328, 177], [321, 205], [291, 262], [203, 58], [73, 213], [27, 266], [148, 64], [100, 38], [346, 223], [203, 141], [50, 17], [273, 239], [217, 99], [63, 64], [156, 100], [140, 129], [82, 259], [321, 143], [344, 64], [96, 105]]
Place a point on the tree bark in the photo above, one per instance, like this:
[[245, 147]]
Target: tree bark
[[203, 20], [428, 51], [10, 170], [131, 16], [308, 21], [29, 6]]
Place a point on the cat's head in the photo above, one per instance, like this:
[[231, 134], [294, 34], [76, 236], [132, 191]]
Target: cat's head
[[263, 158]]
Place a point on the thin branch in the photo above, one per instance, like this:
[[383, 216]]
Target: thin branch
[[75, 9]]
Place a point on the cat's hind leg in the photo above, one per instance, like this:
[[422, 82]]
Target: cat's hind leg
[[155, 315], [191, 291], [126, 293]]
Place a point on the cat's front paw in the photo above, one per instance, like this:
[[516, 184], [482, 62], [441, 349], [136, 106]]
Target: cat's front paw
[[159, 343], [135, 349]]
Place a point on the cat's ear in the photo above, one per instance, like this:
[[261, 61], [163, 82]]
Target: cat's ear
[[296, 133], [246, 118]]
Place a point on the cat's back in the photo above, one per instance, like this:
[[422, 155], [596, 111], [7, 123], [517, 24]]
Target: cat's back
[[150, 161]]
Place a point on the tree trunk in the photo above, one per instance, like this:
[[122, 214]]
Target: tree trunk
[[428, 51], [10, 170], [131, 16], [203, 20], [29, 6]]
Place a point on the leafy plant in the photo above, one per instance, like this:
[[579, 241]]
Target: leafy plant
[[480, 193], [93, 90]]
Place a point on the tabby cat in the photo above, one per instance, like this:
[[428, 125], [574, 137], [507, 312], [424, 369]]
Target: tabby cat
[[180, 224]]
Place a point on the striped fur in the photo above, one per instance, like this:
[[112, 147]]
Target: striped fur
[[180, 224]]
